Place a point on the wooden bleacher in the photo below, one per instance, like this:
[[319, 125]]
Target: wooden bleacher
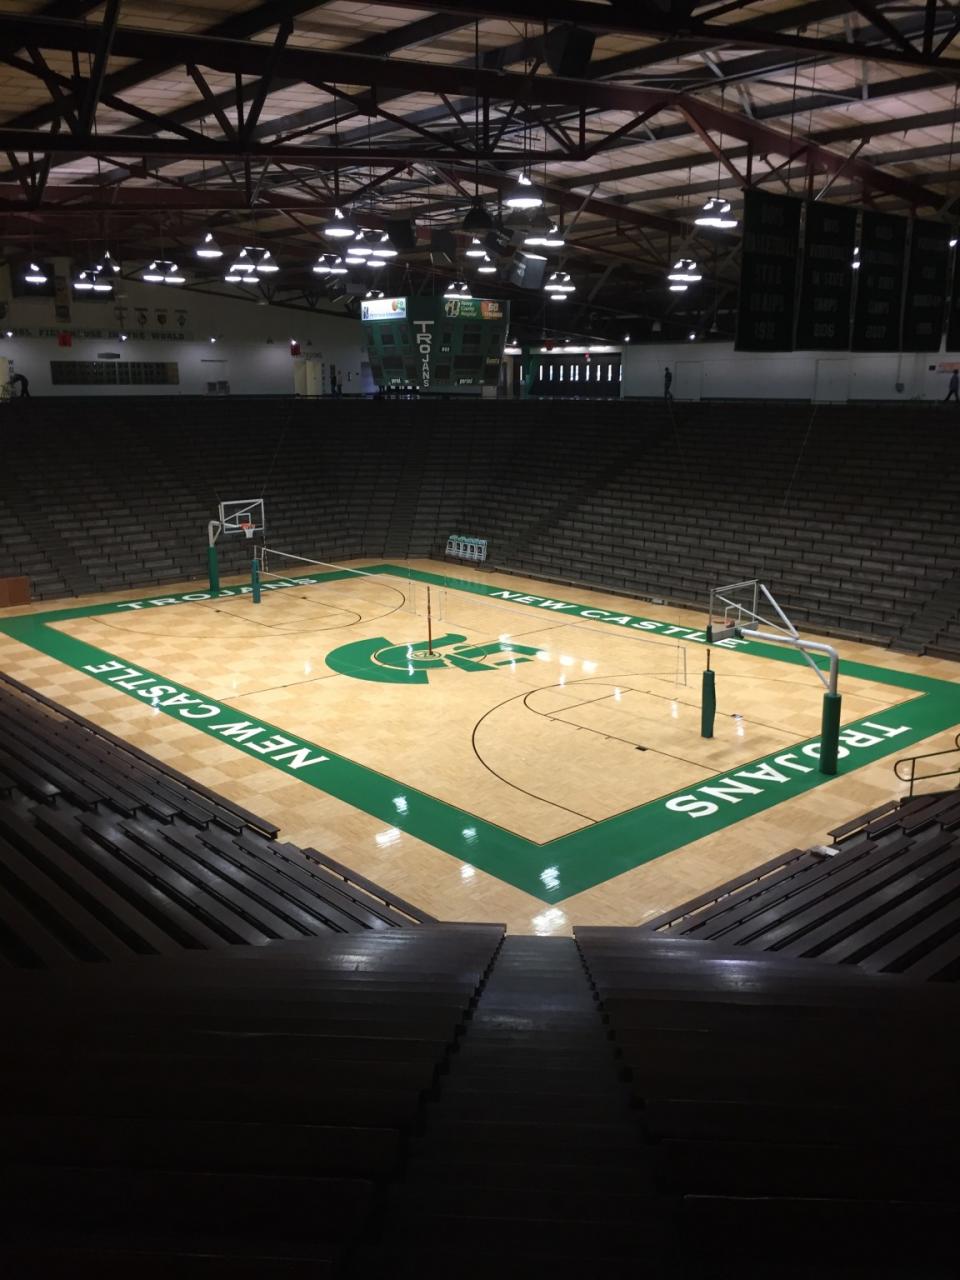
[[886, 900], [106, 853]]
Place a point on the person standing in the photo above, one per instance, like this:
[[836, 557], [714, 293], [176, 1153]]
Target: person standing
[[667, 383], [954, 392], [23, 382]]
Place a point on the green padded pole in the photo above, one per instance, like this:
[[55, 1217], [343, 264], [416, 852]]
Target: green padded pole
[[830, 733], [708, 704], [213, 568], [255, 579]]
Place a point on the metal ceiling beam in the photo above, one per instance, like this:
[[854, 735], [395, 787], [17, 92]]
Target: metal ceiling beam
[[322, 66], [240, 26], [107, 145], [630, 20]]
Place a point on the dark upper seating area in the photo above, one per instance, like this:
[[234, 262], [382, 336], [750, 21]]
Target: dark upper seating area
[[850, 512], [106, 854], [884, 896]]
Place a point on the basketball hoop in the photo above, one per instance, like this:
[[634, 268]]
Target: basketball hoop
[[247, 527]]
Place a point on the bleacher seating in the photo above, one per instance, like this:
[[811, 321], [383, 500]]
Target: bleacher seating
[[801, 1117], [230, 1113], [106, 854], [850, 512], [883, 896], [226, 1056]]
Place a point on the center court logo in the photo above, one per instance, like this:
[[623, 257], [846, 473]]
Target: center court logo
[[384, 662]]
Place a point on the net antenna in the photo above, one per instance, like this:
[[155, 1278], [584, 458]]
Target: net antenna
[[236, 516], [735, 614]]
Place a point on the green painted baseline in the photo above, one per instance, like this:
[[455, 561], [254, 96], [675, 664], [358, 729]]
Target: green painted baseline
[[553, 870]]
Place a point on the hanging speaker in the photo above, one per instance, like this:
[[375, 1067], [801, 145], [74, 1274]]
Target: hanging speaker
[[568, 50], [527, 273], [403, 234], [443, 248]]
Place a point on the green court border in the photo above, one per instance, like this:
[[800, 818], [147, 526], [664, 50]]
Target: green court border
[[555, 869]]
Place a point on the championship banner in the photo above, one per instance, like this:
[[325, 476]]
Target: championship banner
[[926, 286], [826, 280], [768, 272], [879, 307]]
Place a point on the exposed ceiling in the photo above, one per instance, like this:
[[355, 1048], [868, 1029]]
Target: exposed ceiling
[[142, 125]]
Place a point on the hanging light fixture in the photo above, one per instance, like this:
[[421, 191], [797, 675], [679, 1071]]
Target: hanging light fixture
[[340, 227], [538, 227], [476, 249], [373, 293], [242, 270], [487, 267], [33, 273], [264, 262], [358, 246], [559, 282], [91, 280], [329, 264], [458, 289], [208, 247], [716, 213], [856, 259], [108, 264], [477, 218], [523, 195], [163, 271], [684, 271], [384, 247], [554, 238]]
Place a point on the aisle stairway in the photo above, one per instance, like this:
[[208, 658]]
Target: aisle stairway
[[531, 1152]]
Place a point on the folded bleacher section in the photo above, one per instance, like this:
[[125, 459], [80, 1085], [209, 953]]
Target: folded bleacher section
[[106, 854], [883, 896]]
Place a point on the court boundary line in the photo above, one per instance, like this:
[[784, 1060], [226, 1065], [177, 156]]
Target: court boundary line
[[579, 860]]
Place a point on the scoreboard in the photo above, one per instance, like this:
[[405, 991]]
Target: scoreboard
[[435, 344]]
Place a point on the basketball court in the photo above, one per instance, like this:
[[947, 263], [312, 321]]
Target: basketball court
[[484, 744]]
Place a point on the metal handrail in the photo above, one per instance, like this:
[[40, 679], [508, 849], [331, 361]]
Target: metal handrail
[[912, 761]]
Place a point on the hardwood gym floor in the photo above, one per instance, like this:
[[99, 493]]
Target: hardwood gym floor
[[543, 767]]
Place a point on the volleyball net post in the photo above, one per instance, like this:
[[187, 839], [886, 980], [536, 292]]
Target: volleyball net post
[[708, 701], [740, 602]]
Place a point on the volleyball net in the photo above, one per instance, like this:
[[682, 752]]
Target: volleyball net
[[352, 595], [336, 587]]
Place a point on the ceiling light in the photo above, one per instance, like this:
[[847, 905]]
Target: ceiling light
[[539, 227], [123, 337], [523, 195], [109, 263], [340, 226], [716, 213], [358, 247], [692, 336], [385, 248], [953, 242], [352, 260], [458, 289], [208, 247], [678, 288], [34, 274], [162, 271], [374, 263], [685, 271], [476, 249], [553, 239], [477, 218], [487, 267], [559, 282], [374, 293], [265, 263]]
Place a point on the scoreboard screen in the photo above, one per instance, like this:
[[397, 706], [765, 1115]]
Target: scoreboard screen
[[435, 343]]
